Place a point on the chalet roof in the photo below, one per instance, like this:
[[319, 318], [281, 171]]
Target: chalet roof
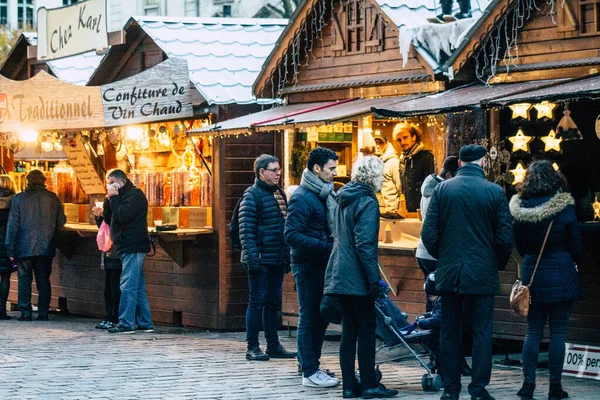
[[588, 87], [413, 13], [76, 70], [224, 55], [459, 99]]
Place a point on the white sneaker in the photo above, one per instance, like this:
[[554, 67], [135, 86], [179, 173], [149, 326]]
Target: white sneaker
[[320, 380]]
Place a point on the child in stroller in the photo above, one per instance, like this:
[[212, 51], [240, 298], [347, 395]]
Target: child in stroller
[[433, 321]]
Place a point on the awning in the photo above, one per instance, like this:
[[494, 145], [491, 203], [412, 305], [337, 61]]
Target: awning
[[343, 111], [459, 99], [568, 90], [245, 123], [296, 115], [31, 152]]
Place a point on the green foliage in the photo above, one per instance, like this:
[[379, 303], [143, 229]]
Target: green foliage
[[8, 38], [299, 157]]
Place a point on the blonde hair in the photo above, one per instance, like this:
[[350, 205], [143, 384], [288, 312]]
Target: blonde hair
[[368, 170], [7, 183]]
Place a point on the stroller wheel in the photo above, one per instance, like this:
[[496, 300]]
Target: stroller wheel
[[431, 383]]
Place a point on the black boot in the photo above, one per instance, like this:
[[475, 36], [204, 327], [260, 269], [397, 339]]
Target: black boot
[[256, 354], [556, 392], [526, 391], [4, 316]]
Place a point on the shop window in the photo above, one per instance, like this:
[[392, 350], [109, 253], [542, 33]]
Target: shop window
[[3, 12], [589, 17], [151, 7], [25, 13], [69, 2]]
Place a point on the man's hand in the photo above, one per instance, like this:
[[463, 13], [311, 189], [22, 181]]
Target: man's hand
[[112, 190], [97, 211], [375, 290], [11, 259]]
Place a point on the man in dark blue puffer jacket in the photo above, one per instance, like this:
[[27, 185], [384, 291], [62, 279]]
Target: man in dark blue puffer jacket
[[265, 256]]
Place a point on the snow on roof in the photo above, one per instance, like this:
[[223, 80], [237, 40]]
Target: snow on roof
[[413, 13], [76, 70], [224, 55], [435, 39]]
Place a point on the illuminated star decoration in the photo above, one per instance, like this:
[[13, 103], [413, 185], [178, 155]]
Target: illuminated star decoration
[[555, 166], [520, 110], [519, 173], [596, 208], [551, 141], [520, 141], [544, 109]]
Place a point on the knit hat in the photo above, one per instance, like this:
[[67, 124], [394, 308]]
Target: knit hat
[[472, 152], [450, 164]]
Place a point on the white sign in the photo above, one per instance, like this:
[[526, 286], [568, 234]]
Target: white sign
[[71, 30], [582, 361]]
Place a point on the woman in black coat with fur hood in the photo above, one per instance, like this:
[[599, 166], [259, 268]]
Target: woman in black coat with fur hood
[[7, 192], [543, 199]]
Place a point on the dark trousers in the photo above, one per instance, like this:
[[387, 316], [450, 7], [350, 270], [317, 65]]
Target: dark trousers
[[112, 294], [465, 6], [427, 266], [558, 316], [264, 303], [41, 266], [358, 325], [450, 357], [4, 289], [310, 281]]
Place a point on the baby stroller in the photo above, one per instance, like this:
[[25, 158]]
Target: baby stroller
[[393, 329]]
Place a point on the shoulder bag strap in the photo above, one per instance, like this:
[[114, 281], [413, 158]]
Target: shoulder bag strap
[[541, 251]]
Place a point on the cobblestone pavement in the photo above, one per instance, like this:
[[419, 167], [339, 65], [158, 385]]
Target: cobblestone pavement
[[66, 358]]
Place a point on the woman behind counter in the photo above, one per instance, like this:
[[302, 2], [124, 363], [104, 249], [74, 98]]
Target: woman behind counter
[[556, 284], [353, 275], [7, 192]]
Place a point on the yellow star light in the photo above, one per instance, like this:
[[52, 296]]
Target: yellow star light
[[545, 109], [519, 173], [551, 141], [520, 141], [520, 110], [555, 166]]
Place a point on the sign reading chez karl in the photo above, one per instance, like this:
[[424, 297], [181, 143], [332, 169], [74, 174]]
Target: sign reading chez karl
[[71, 30], [160, 93], [44, 102]]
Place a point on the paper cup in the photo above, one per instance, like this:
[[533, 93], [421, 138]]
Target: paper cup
[[99, 204], [157, 222]]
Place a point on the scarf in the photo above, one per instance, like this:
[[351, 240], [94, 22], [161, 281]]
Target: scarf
[[325, 192]]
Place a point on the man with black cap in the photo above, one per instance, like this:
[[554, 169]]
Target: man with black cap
[[469, 231]]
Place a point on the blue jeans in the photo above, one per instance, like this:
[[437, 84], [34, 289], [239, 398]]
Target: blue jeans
[[310, 282], [41, 266], [558, 315], [134, 306], [450, 341], [264, 303]]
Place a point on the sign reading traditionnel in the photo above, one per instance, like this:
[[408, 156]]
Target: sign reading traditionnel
[[44, 102], [71, 30], [160, 93]]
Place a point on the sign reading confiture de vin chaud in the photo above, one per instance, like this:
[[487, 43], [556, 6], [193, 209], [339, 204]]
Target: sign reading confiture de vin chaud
[[71, 30], [157, 94]]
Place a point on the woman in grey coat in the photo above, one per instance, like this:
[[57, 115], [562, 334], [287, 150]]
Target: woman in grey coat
[[353, 275]]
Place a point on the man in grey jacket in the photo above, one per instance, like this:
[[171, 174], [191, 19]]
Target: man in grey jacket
[[391, 186], [34, 218]]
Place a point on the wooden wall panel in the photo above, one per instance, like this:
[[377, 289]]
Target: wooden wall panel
[[236, 160]]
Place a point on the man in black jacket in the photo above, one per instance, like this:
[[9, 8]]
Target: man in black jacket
[[308, 233], [126, 211], [265, 256], [34, 218], [416, 163], [469, 231]]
